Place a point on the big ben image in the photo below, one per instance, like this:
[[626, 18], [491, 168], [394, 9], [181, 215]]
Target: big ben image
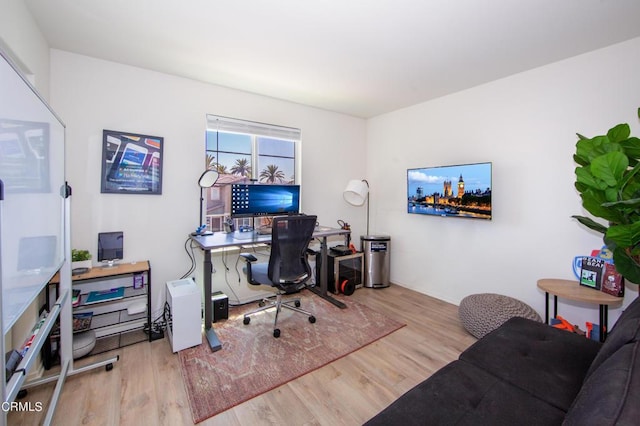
[[460, 187]]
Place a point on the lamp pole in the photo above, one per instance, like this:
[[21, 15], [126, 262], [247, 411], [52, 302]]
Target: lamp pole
[[201, 204], [368, 195]]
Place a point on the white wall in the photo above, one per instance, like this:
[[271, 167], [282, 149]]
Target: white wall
[[91, 95], [21, 37], [526, 125]]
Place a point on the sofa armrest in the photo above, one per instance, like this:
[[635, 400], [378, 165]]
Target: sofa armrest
[[610, 395]]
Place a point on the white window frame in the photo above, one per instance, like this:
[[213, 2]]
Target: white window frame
[[255, 129]]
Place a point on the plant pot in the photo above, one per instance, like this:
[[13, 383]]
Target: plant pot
[[81, 264]]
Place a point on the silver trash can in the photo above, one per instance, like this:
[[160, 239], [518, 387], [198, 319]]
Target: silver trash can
[[376, 260]]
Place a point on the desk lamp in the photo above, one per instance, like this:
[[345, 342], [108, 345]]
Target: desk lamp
[[207, 180], [356, 193]]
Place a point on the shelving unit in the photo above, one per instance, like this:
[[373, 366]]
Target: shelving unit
[[112, 321]]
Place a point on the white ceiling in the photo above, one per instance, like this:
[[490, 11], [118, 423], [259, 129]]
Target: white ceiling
[[358, 57]]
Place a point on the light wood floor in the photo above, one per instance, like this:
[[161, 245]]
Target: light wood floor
[[145, 387]]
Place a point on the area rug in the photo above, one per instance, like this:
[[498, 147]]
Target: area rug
[[252, 361]]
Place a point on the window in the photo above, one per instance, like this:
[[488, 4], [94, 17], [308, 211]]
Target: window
[[244, 151]]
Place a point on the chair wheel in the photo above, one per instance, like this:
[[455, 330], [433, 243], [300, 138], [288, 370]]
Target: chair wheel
[[297, 303], [246, 320], [312, 319], [276, 333]]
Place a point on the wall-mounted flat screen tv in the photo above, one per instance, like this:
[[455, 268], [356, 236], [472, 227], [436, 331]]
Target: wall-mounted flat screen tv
[[450, 191]]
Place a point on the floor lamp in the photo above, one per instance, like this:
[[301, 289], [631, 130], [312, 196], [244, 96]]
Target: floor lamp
[[356, 193], [207, 180]]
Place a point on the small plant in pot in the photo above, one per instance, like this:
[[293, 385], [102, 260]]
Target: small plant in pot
[[608, 180], [80, 259]]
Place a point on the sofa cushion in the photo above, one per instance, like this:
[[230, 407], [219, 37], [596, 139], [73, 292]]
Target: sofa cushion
[[462, 394], [548, 363], [610, 395]]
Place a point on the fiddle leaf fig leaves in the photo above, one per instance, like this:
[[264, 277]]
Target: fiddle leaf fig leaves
[[608, 180], [610, 168], [619, 133]]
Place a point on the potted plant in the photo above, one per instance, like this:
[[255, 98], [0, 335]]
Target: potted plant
[[608, 180], [80, 259]]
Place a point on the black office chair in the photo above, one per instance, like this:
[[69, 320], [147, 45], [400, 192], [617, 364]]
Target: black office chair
[[288, 268]]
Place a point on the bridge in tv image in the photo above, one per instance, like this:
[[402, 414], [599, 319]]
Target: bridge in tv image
[[457, 191]]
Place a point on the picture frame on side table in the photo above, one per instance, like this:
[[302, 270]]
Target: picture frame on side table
[[131, 163], [591, 272]]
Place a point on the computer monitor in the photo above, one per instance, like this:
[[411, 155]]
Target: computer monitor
[[110, 247], [264, 200]]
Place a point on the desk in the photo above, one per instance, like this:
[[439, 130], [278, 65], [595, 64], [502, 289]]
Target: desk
[[572, 290], [220, 240]]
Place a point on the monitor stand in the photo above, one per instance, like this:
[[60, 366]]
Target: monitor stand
[[109, 263]]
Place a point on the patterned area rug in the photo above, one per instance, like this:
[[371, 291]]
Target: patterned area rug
[[252, 361]]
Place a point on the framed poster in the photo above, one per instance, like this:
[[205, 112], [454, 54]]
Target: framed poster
[[131, 163]]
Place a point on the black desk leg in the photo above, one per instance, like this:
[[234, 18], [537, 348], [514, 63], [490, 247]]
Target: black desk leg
[[604, 319], [546, 307], [210, 333], [149, 299], [555, 306]]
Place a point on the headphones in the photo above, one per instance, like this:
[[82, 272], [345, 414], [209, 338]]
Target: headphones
[[346, 287]]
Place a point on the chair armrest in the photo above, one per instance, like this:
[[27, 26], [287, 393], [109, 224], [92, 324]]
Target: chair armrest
[[248, 257]]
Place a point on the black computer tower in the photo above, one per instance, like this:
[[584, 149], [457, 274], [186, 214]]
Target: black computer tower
[[220, 303]]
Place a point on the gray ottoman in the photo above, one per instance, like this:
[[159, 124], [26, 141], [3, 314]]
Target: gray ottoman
[[482, 313]]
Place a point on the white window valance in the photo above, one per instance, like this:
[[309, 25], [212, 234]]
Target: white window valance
[[234, 125]]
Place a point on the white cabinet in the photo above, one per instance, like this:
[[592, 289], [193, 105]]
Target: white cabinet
[[184, 326]]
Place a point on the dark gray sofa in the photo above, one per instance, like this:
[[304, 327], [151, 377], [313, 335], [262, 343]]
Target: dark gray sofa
[[529, 373]]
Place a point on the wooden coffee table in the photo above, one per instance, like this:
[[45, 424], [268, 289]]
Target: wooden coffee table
[[572, 290]]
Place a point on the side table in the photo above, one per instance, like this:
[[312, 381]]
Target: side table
[[572, 290]]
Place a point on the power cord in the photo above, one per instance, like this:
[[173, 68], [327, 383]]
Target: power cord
[[159, 325], [188, 248]]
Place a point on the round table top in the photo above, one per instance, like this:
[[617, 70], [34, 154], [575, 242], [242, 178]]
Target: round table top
[[570, 289]]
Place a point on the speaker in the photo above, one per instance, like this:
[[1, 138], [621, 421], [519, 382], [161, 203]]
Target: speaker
[[220, 303], [12, 359]]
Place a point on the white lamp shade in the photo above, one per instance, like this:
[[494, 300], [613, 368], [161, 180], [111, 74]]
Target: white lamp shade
[[356, 192], [208, 179]]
